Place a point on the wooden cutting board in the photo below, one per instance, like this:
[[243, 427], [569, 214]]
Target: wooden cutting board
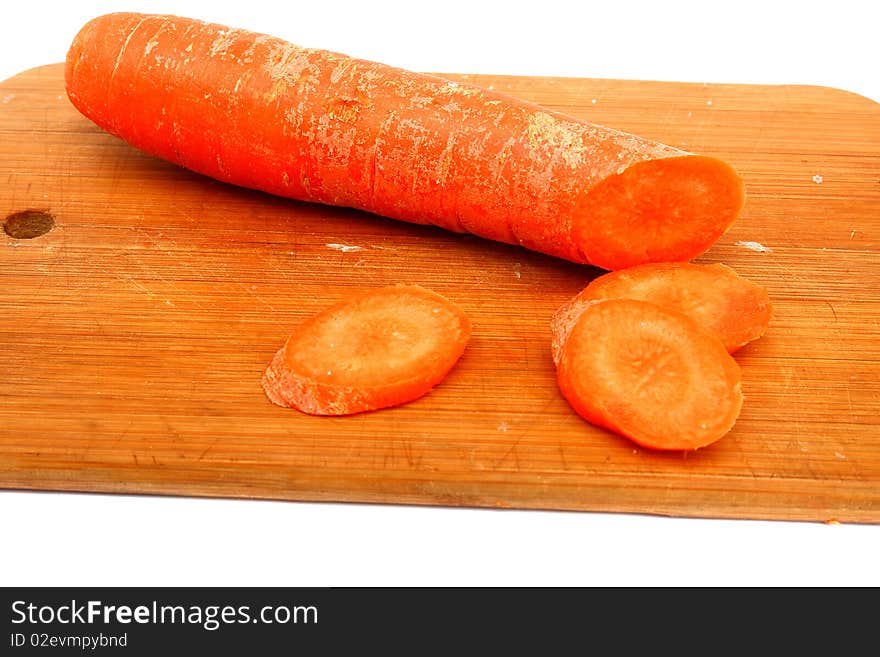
[[134, 333]]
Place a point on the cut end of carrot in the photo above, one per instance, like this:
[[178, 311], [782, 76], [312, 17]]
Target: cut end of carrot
[[663, 210], [381, 348], [650, 374]]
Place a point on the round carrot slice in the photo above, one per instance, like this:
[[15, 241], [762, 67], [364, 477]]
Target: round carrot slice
[[378, 349], [653, 375], [733, 308]]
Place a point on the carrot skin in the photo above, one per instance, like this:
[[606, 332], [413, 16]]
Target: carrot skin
[[318, 126]]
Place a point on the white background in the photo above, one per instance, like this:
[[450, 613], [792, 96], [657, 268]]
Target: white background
[[57, 539]]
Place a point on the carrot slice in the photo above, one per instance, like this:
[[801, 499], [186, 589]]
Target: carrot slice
[[378, 349], [653, 375], [735, 309]]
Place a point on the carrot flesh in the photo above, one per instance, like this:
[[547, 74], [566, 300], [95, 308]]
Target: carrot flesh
[[380, 348], [735, 309], [661, 210], [653, 375], [318, 126]]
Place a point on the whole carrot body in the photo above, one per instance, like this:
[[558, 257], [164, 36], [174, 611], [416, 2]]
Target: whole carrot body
[[319, 126]]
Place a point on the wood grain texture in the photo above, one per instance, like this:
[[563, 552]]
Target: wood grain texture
[[133, 334]]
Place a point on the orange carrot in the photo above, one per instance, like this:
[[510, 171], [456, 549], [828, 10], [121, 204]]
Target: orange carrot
[[651, 374], [319, 126], [735, 309], [381, 348]]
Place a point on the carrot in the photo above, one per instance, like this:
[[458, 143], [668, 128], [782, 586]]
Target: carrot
[[319, 126], [376, 349], [735, 309], [653, 375]]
